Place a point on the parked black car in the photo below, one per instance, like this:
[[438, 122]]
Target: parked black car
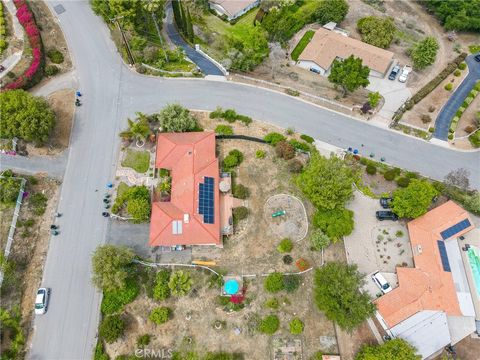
[[386, 203], [394, 72], [477, 57], [386, 215]]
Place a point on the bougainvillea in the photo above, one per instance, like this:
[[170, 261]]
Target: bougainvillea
[[26, 19]]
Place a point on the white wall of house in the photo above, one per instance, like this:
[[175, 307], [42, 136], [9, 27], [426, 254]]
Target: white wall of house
[[307, 64]]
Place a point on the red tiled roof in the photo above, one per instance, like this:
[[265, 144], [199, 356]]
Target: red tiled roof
[[190, 157], [427, 286]]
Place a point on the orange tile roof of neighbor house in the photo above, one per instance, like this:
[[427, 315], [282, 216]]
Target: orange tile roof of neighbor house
[[327, 45], [190, 157], [427, 286]]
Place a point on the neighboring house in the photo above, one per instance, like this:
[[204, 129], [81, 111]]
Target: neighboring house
[[437, 302], [193, 214], [232, 9], [328, 44]]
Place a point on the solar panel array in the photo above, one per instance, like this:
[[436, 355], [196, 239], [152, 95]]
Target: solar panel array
[[443, 256], [455, 229], [206, 204]]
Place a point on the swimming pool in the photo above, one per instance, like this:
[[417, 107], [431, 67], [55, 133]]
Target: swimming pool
[[474, 260]]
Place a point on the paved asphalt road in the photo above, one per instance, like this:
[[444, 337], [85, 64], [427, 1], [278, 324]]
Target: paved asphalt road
[[442, 124], [205, 65], [112, 93]]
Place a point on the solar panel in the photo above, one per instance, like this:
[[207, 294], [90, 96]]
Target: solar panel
[[206, 204], [455, 229], [443, 255]]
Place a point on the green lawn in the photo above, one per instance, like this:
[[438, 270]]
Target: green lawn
[[137, 160], [302, 44]]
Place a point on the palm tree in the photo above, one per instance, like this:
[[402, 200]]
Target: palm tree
[[138, 129]]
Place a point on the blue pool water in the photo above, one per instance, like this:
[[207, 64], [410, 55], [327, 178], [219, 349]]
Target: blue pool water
[[474, 260], [231, 287]]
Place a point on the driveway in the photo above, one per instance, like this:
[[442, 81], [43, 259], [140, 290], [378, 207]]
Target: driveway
[[205, 65], [394, 92], [448, 111], [376, 245]]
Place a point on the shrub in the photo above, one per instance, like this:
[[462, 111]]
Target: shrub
[[426, 118], [295, 166], [161, 290], [376, 31], [450, 136], [285, 246], [296, 326], [374, 98], [448, 87], [143, 340], [239, 213], [240, 191], [176, 118], [334, 223], [403, 181], [414, 200], [431, 129], [269, 325], [332, 10], [457, 73], [389, 175], [431, 108], [224, 130], [109, 263], [462, 66], [274, 138], [307, 138], [371, 169], [51, 70], [302, 264], [274, 282], [39, 203], [287, 259], [139, 210], [233, 159], [424, 53], [260, 154], [111, 328], [115, 300], [291, 283], [55, 56], [319, 240], [300, 145], [271, 303], [160, 315], [180, 283], [285, 150]]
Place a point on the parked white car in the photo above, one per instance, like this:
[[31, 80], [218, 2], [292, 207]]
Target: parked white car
[[407, 69], [41, 301], [381, 282]]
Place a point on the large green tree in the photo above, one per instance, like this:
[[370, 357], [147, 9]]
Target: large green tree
[[248, 47], [349, 74], [424, 53], [326, 182], [414, 200], [127, 11], [376, 30], [109, 263], [331, 10], [175, 118], [337, 294], [25, 116], [396, 349], [456, 14]]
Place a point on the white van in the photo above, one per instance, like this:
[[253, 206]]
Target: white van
[[381, 282]]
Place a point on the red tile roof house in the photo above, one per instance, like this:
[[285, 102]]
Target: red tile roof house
[[433, 305], [193, 214]]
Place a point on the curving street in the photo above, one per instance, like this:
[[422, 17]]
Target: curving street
[[112, 92]]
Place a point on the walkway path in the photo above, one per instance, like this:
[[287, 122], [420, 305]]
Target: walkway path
[[205, 65], [10, 62], [442, 124]]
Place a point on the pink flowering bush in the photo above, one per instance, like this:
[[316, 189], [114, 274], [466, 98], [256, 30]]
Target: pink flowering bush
[[26, 19]]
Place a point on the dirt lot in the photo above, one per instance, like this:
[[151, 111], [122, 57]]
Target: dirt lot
[[29, 251], [62, 103], [434, 100]]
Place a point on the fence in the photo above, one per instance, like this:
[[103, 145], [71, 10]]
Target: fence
[[13, 225], [240, 137]]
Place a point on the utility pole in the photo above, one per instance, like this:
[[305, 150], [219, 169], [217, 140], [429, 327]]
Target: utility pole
[[154, 17], [129, 52]]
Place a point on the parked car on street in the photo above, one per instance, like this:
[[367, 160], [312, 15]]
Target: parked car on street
[[381, 282], [477, 57], [386, 203], [407, 69], [41, 301], [386, 215], [394, 72], [2, 68]]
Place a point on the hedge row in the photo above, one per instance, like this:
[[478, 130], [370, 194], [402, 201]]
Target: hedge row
[[3, 29], [430, 86], [33, 74], [468, 100]]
